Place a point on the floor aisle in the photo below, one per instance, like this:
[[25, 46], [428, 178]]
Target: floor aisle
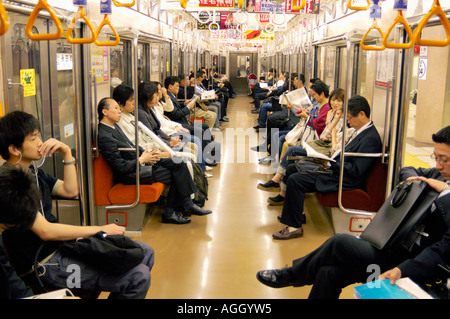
[[217, 256]]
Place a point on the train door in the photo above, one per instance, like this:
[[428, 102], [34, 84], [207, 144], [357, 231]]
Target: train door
[[39, 81], [120, 64], [241, 64], [155, 72], [425, 88]]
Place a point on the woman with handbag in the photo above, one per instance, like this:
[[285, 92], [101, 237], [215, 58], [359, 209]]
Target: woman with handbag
[[330, 139]]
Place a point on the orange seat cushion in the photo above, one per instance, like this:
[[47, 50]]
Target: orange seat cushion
[[106, 193], [197, 119], [126, 194]]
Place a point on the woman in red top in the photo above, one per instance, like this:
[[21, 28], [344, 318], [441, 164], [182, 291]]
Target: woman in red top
[[320, 92]]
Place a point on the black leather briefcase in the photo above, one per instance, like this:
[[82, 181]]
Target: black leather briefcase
[[401, 219]]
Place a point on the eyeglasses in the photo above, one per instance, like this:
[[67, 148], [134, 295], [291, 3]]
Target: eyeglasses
[[439, 160]]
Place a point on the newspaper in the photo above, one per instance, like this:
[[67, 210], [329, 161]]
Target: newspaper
[[157, 139], [298, 98], [313, 153], [203, 94]]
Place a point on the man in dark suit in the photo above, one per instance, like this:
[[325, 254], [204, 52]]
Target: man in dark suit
[[365, 139], [344, 259], [179, 114], [152, 168]]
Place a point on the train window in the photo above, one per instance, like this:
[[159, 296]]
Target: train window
[[24, 55], [66, 94], [330, 61], [117, 66], [243, 65], [342, 64], [154, 62], [143, 62]]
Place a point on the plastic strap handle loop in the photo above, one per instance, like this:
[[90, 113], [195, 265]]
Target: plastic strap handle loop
[[399, 19], [4, 21], [106, 43], [183, 3], [43, 5], [119, 4], [372, 47], [296, 6], [435, 10], [80, 14], [350, 6]]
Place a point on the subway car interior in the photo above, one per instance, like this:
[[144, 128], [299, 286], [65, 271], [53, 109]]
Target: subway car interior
[[60, 58]]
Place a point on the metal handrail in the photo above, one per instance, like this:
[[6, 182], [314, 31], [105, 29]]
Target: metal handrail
[[136, 132]]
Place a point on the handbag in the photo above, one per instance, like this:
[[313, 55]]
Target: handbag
[[310, 165], [401, 219], [297, 133], [113, 254]]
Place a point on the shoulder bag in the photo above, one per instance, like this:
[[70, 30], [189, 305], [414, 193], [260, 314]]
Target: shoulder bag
[[310, 165], [114, 254], [401, 219]]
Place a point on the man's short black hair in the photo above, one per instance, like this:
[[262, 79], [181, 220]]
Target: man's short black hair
[[443, 136], [319, 87], [122, 93], [19, 198], [358, 103], [301, 77], [14, 127], [171, 80]]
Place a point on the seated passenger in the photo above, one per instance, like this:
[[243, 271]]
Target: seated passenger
[[180, 112], [175, 129], [344, 259], [329, 141], [365, 139], [280, 84], [152, 168], [148, 98], [124, 96], [272, 95], [286, 120], [186, 88], [19, 201], [21, 146], [207, 110]]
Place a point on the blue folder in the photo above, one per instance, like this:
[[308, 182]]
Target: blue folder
[[381, 289]]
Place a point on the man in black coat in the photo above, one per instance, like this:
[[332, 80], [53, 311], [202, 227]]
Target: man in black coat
[[152, 168], [179, 114], [365, 139], [344, 259]]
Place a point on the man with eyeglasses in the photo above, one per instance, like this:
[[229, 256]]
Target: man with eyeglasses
[[344, 259]]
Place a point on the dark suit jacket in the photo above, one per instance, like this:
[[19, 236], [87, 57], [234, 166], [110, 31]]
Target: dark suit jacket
[[179, 112], [150, 120], [424, 266], [123, 163], [356, 169]]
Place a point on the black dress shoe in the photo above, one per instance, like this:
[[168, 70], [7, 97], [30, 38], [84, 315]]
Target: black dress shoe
[[269, 186], [175, 218], [225, 119], [255, 111], [276, 200], [195, 210], [277, 278]]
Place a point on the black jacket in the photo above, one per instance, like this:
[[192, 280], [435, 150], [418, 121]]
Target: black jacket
[[179, 112], [437, 246]]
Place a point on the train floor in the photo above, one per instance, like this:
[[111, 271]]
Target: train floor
[[217, 256]]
